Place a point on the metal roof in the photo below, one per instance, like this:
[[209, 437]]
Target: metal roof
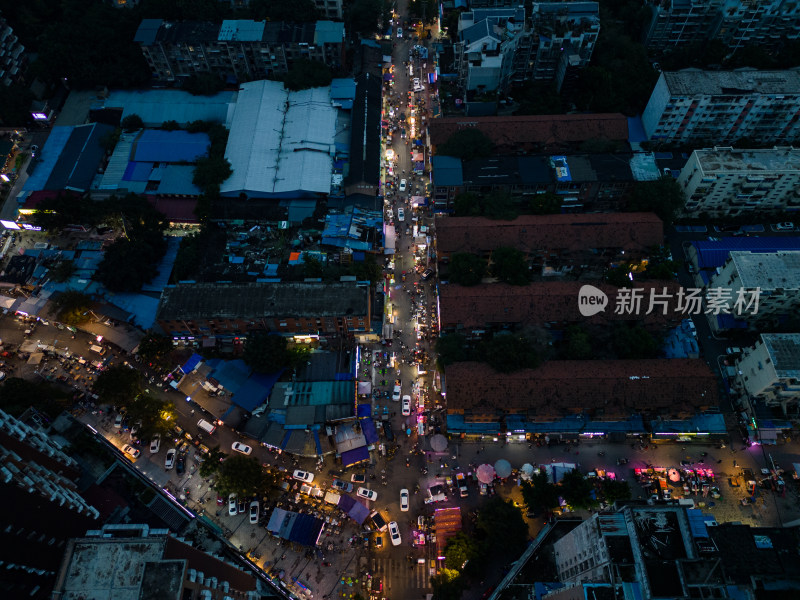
[[241, 30], [158, 145], [447, 171], [156, 106], [329, 32]]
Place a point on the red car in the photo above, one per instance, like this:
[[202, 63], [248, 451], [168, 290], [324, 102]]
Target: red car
[[220, 501]]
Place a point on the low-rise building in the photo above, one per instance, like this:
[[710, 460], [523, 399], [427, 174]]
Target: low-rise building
[[694, 106], [770, 371], [729, 182], [192, 311]]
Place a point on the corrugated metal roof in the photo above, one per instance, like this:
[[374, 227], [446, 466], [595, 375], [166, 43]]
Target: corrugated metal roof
[[158, 145], [241, 30], [156, 106], [176, 180], [714, 254], [48, 157], [118, 163], [329, 32]]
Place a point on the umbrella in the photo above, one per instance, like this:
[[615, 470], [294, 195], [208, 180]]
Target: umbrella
[[526, 471], [486, 473], [439, 443], [674, 475], [503, 468]]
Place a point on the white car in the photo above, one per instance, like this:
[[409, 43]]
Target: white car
[[367, 494], [131, 451], [155, 443], [404, 500], [118, 421], [419, 88], [254, 512], [169, 461], [415, 81], [406, 405], [401, 215], [243, 448], [232, 510], [396, 393], [394, 533], [303, 476], [399, 32], [403, 186], [786, 226]]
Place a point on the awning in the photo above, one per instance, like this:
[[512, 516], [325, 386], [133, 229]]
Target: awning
[[354, 509], [364, 387], [354, 456], [369, 431]]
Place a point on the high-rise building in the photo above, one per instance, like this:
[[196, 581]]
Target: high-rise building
[[12, 55], [769, 372], [724, 106]]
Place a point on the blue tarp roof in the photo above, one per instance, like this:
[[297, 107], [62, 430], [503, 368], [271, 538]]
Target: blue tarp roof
[[447, 171], [255, 390], [159, 145], [364, 410], [315, 433], [178, 180], [137, 171], [354, 509], [354, 456], [142, 307], [369, 431], [714, 254], [636, 130], [191, 364], [232, 374], [697, 522], [299, 528]]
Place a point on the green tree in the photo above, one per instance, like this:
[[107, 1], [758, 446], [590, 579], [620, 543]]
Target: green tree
[[15, 105], [576, 489], [664, 270], [468, 204], [466, 269], [65, 208], [663, 196], [507, 353], [203, 84], [132, 122], [243, 476], [118, 385], [538, 98], [579, 344], [634, 341], [451, 348], [62, 270], [498, 204], [211, 462], [447, 584], [127, 265], [364, 17], [539, 494], [109, 140], [211, 171], [545, 204], [266, 353], [614, 490], [467, 144], [305, 73], [460, 549], [619, 276], [155, 415], [170, 126], [293, 11], [502, 527], [509, 266], [17, 395], [72, 307], [155, 349]]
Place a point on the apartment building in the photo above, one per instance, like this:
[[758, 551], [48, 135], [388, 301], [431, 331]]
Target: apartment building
[[230, 310], [488, 40], [728, 182], [723, 106], [770, 371], [12, 59], [241, 50], [564, 37], [737, 23], [774, 278], [330, 9]]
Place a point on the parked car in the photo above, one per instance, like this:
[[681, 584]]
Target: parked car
[[303, 476], [242, 448], [232, 505], [427, 274], [406, 406], [394, 533], [169, 461], [358, 478], [254, 512], [397, 392], [118, 421], [400, 32], [378, 542], [404, 500], [131, 451], [401, 214], [785, 226], [180, 464], [135, 429], [155, 443], [342, 486], [733, 350], [402, 188], [367, 494]]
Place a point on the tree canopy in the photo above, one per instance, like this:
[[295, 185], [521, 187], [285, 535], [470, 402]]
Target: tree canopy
[[634, 341], [451, 348], [118, 385], [447, 584], [576, 489], [203, 84], [509, 266], [132, 122], [579, 344], [17, 395], [545, 204], [266, 353], [503, 529], [460, 549], [305, 73], [508, 352], [467, 144], [539, 494], [663, 196], [243, 476], [155, 415], [466, 269], [72, 307], [155, 349]]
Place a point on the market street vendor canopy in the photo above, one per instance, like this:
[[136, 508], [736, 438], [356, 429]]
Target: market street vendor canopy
[[486, 473], [439, 443], [503, 468], [526, 471]]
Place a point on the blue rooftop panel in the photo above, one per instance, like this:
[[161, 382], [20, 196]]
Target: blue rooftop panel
[[137, 171], [714, 254], [158, 145]]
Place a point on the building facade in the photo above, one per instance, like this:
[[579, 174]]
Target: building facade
[[724, 106], [728, 182], [330, 9], [238, 49], [230, 310], [770, 371], [675, 24], [12, 57], [565, 34]]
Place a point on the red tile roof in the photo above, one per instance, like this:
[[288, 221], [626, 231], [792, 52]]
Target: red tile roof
[[565, 233], [550, 131], [496, 304], [606, 389]]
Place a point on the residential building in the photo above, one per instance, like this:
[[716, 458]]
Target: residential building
[[531, 134], [728, 182], [330, 9], [488, 39], [770, 371], [566, 239], [772, 279], [694, 106], [43, 506], [677, 23], [239, 50], [134, 561], [12, 57], [604, 391], [192, 311], [565, 34]]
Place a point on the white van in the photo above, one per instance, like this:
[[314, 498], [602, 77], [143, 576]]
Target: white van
[[99, 349], [206, 426]]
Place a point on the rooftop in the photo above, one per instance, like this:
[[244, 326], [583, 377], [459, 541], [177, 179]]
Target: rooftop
[[730, 160], [570, 233], [241, 30], [506, 170], [509, 132], [365, 138], [261, 300], [784, 350], [768, 271], [694, 82], [608, 389], [157, 106]]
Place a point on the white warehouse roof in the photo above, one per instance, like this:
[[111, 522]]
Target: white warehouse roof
[[281, 143]]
